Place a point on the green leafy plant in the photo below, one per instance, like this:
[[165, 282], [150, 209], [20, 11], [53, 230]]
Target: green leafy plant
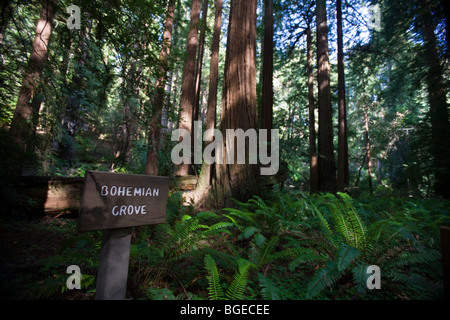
[[268, 289], [390, 243], [236, 289]]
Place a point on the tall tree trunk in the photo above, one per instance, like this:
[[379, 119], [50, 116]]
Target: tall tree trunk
[[267, 73], [25, 115], [342, 167], [188, 83], [168, 121], [210, 122], [239, 105], [198, 70], [171, 82], [326, 162], [438, 113], [154, 129], [72, 119], [314, 178], [366, 135]]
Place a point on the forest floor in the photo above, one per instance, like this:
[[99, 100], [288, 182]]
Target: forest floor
[[24, 244], [35, 252]]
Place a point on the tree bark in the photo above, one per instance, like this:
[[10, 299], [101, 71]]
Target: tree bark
[[314, 178], [366, 135], [210, 122], [326, 162], [154, 129], [438, 113], [342, 167], [25, 115], [198, 72], [239, 105], [188, 82], [267, 74]]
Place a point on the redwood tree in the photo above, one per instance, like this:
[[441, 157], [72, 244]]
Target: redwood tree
[[198, 70], [438, 113], [187, 98], [239, 106], [326, 164], [313, 179], [154, 130], [342, 167], [267, 72], [27, 109], [210, 120]]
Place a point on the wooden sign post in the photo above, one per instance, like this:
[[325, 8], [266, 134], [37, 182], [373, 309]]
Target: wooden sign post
[[114, 203]]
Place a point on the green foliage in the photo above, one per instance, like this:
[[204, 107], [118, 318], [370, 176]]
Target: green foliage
[[214, 288], [235, 290], [392, 243], [268, 289], [349, 227], [206, 255]]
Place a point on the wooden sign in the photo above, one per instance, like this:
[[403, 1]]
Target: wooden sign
[[118, 200]]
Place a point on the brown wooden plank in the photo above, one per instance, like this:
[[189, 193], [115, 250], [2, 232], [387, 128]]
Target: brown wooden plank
[[117, 200]]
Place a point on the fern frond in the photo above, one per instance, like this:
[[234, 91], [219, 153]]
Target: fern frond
[[248, 232], [304, 255], [412, 258], [323, 278], [360, 277], [246, 216], [347, 221], [324, 224], [346, 255], [237, 287], [222, 226], [268, 289], [421, 283], [264, 252], [359, 229], [214, 289]]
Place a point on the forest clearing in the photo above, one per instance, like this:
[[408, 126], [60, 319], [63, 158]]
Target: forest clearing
[[270, 149]]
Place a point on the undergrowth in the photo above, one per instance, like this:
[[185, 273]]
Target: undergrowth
[[285, 246]]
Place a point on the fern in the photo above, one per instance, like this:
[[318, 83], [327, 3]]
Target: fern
[[328, 233], [333, 270], [413, 258], [304, 255], [262, 254], [214, 289], [346, 256], [360, 277], [268, 289], [237, 287], [347, 221], [323, 278]]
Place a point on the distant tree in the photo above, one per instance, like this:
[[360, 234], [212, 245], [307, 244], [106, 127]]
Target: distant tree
[[210, 119], [342, 163], [313, 170], [198, 69], [187, 99], [154, 129]]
